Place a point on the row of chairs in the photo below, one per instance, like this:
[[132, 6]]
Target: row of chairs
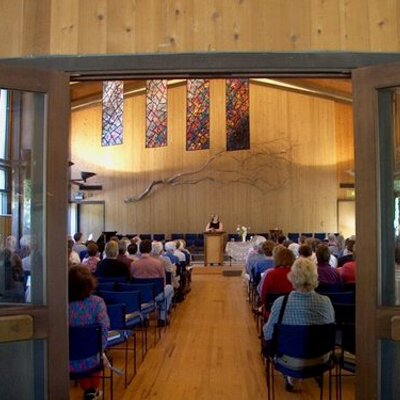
[[310, 342], [294, 237], [129, 307]]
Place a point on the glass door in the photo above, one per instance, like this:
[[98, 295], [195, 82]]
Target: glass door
[[377, 143], [34, 120]]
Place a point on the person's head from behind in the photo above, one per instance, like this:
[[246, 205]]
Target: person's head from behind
[[281, 239], [92, 249], [323, 254], [70, 244], [78, 237], [268, 247], [311, 242], [303, 275], [156, 248], [81, 283], [180, 244], [305, 251], [283, 258], [350, 244], [170, 246], [25, 241], [145, 246], [111, 249], [132, 249], [11, 243], [121, 247]]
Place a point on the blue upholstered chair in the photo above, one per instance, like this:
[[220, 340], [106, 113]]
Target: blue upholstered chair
[[310, 347], [133, 318], [294, 237], [160, 237], [85, 342], [148, 304], [346, 360], [320, 235], [118, 335], [190, 239]]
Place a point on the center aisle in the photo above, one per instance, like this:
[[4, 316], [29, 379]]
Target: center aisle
[[210, 350]]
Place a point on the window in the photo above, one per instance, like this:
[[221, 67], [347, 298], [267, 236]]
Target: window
[[5, 171]]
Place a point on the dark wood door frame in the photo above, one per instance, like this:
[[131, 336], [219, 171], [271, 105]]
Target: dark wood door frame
[[212, 65], [97, 67]]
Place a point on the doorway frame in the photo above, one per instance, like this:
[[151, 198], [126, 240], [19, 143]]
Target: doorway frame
[[219, 65]]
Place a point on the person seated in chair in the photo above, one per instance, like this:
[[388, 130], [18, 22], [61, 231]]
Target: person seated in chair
[[110, 267], [329, 278], [276, 278], [78, 243], [304, 306], [150, 267], [92, 258], [86, 309]]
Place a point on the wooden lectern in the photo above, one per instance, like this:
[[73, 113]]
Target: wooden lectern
[[214, 247]]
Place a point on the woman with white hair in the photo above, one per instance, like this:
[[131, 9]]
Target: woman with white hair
[[304, 306]]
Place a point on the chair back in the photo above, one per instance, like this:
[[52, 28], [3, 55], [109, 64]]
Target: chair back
[[294, 237], [190, 239], [132, 299], [340, 297], [147, 290], [158, 283], [349, 338], [85, 342], [116, 314], [105, 286], [160, 237], [345, 313], [103, 279], [305, 341]]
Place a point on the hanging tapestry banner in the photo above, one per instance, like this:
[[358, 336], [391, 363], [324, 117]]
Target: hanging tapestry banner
[[112, 113], [198, 114], [237, 114], [156, 113]]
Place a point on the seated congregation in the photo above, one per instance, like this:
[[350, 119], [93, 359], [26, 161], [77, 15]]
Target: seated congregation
[[122, 291], [303, 298]]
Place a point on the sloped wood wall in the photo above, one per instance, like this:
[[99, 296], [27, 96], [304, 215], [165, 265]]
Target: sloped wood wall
[[300, 193], [32, 27]]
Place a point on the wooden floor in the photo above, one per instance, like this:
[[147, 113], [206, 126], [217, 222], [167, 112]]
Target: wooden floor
[[209, 352]]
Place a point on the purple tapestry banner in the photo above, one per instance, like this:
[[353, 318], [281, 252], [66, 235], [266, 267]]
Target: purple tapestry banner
[[112, 113], [198, 114], [156, 113], [237, 114]]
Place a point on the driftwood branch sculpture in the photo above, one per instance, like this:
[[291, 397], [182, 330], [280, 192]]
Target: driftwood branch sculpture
[[265, 167]]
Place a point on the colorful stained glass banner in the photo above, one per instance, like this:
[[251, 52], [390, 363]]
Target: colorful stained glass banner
[[237, 114], [156, 113], [198, 114], [113, 109]]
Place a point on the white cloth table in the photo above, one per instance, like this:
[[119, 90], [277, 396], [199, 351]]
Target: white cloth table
[[237, 251]]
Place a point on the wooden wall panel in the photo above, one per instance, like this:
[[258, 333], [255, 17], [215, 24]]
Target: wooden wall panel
[[344, 149], [301, 126], [11, 27], [151, 26], [64, 27]]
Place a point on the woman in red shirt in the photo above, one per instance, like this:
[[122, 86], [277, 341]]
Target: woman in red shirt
[[276, 281]]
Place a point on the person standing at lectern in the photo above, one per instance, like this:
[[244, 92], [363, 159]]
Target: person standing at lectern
[[215, 225]]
